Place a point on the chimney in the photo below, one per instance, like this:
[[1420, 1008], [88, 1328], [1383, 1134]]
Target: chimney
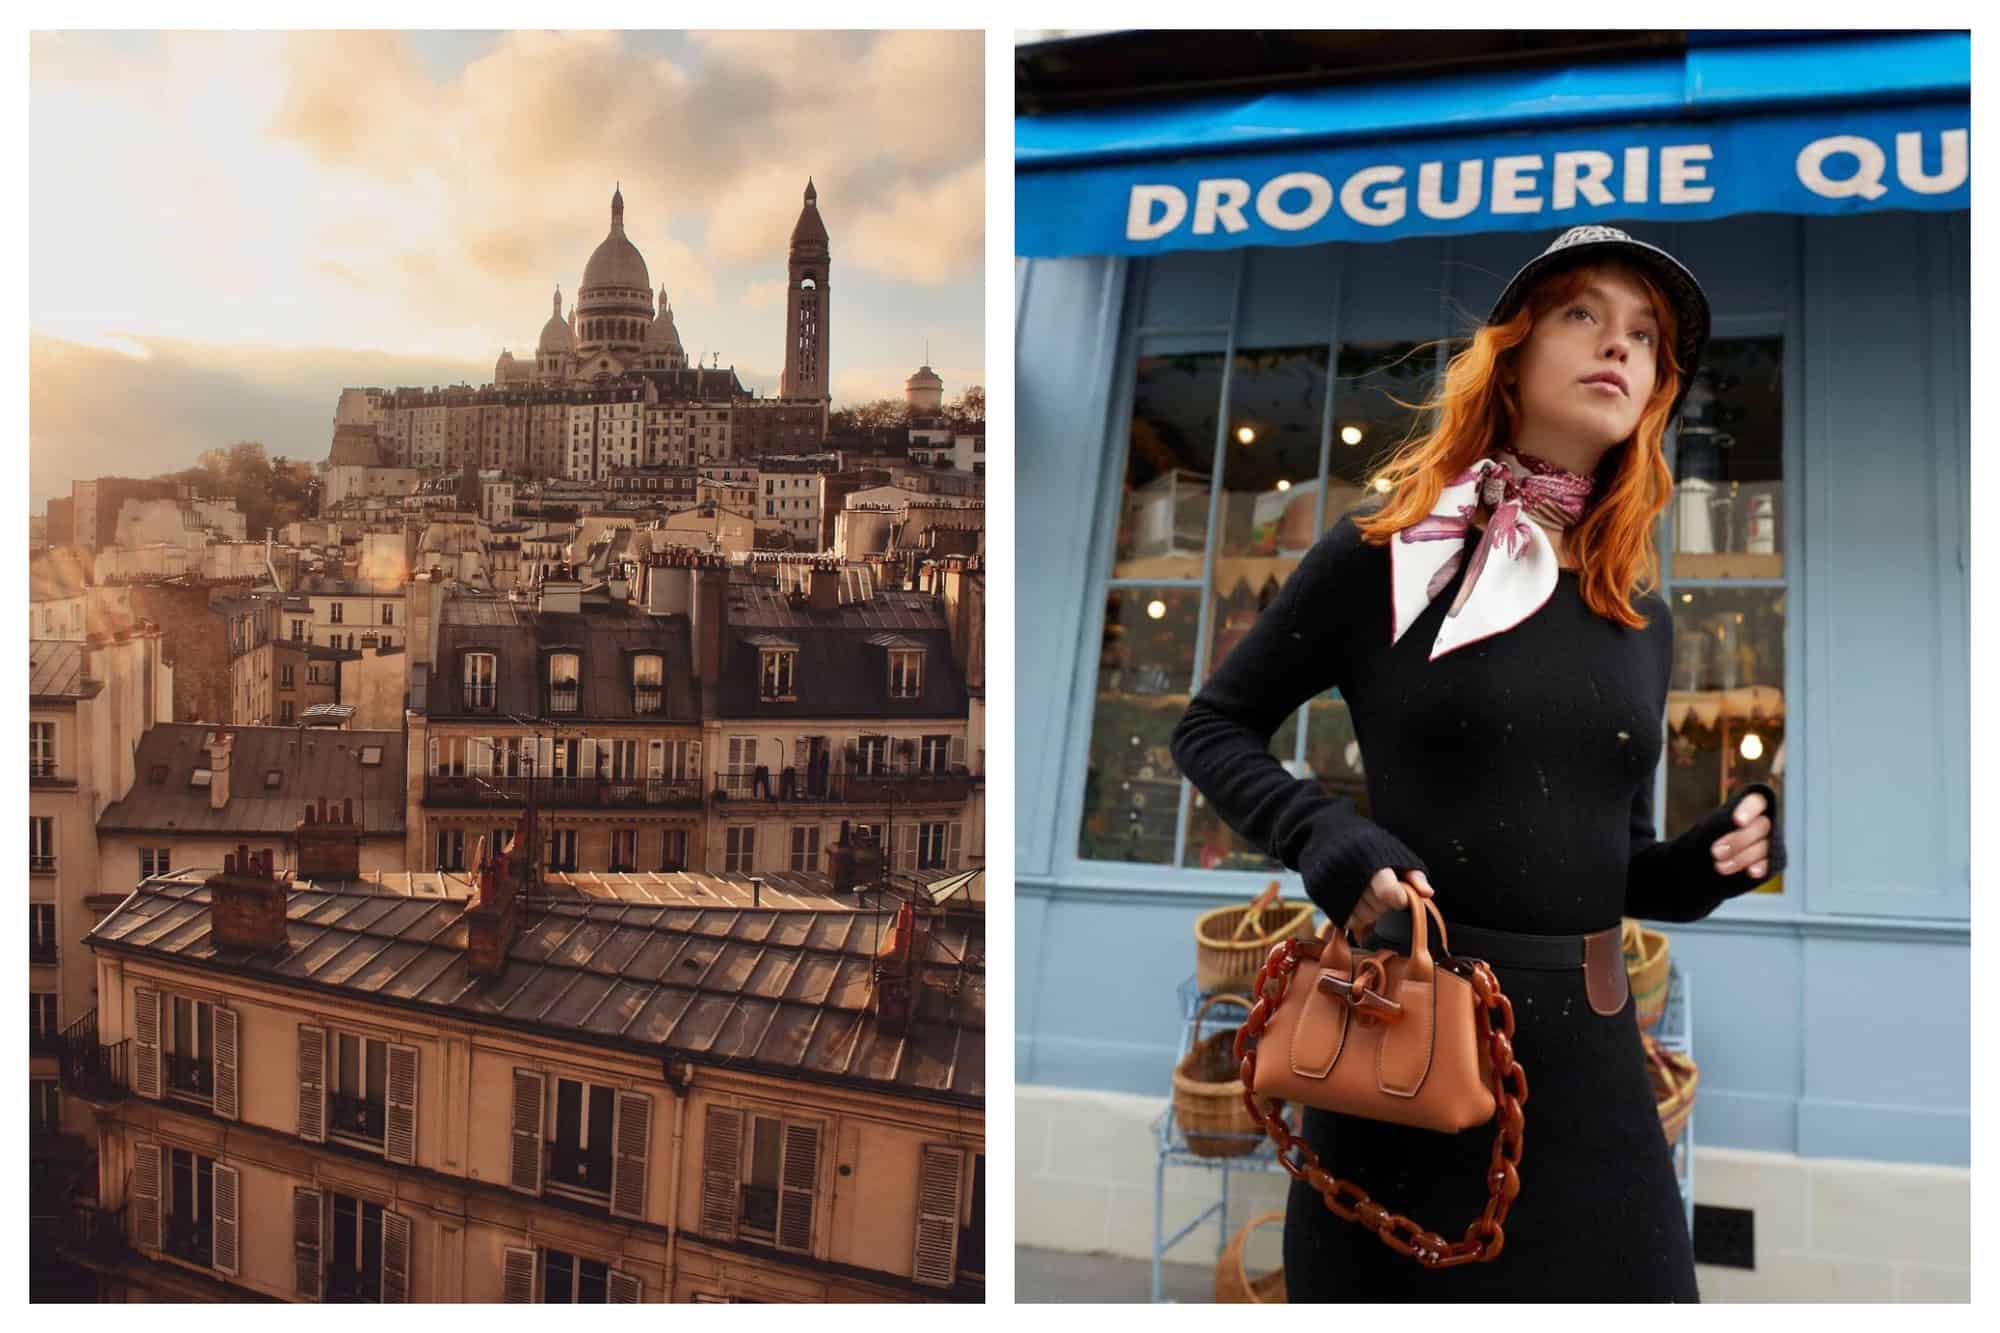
[[328, 843], [247, 902], [824, 593], [896, 975], [219, 745], [561, 591], [489, 922]]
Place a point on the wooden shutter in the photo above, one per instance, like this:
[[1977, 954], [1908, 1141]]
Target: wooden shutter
[[400, 1116], [517, 1284], [938, 1187], [623, 1289], [306, 1219], [798, 1182], [906, 847], [656, 760], [226, 1230], [952, 847], [146, 1195], [957, 749], [225, 1063], [631, 1131], [525, 1171], [395, 1256], [146, 1042], [721, 1171], [312, 1083], [694, 760]]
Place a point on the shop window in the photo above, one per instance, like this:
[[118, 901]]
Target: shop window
[[1724, 577]]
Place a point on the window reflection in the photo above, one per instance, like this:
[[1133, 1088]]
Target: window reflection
[[1727, 518], [1374, 394], [1146, 662], [1725, 700], [1163, 519]]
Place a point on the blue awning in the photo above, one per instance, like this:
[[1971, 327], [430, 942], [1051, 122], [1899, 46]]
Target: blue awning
[[1823, 126]]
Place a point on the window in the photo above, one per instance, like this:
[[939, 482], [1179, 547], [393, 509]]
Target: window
[[580, 1138], [450, 849], [42, 1023], [873, 752], [299, 633], [624, 849], [805, 847], [41, 749], [285, 717], [906, 674], [190, 1206], [740, 854], [931, 838], [972, 1235], [481, 682], [563, 682], [187, 1048], [760, 1178], [285, 677], [934, 754], [1723, 574], [673, 849], [388, 613], [41, 844], [155, 861], [569, 1279], [41, 932], [562, 849], [334, 610], [44, 1106], [354, 1274], [775, 676], [646, 681], [356, 1093]]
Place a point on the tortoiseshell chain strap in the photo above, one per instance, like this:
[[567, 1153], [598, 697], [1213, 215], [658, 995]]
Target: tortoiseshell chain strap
[[1484, 1237]]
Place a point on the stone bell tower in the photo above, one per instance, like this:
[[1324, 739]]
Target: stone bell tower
[[806, 306]]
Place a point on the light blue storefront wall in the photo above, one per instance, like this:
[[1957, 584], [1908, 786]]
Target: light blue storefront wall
[[1874, 316]]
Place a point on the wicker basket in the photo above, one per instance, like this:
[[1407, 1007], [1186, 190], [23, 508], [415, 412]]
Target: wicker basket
[[1675, 1078], [1225, 961], [1648, 968], [1234, 1286], [1208, 1108]]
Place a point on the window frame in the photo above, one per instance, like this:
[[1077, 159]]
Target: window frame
[[41, 748], [334, 1036], [1221, 337]]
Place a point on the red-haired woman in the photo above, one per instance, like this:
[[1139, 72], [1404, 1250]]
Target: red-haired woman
[[1491, 621]]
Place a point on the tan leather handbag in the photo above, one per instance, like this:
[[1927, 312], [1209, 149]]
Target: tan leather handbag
[[1412, 1040]]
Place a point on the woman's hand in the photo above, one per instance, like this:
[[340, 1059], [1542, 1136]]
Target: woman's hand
[[1750, 845], [1386, 892]]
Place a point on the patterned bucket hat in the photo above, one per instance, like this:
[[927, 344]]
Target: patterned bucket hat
[[1583, 245]]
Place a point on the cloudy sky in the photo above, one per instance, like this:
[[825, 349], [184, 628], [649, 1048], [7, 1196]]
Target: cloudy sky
[[227, 228]]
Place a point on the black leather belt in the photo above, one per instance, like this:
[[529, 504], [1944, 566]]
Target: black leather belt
[[1597, 954]]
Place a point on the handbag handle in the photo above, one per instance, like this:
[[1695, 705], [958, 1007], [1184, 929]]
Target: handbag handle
[[1422, 967]]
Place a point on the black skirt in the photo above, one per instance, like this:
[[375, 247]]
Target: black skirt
[[1599, 1216]]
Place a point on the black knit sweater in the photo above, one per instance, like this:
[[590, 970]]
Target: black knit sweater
[[1516, 772]]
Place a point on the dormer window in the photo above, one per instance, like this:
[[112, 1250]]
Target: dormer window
[[906, 673], [777, 668], [563, 676], [647, 676], [481, 682]]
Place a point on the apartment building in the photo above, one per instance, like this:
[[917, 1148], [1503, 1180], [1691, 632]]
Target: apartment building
[[312, 1086], [838, 702]]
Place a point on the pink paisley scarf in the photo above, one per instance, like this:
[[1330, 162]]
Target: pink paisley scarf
[[1513, 567]]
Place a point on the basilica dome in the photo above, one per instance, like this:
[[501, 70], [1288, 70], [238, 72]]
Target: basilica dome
[[555, 334], [615, 262]]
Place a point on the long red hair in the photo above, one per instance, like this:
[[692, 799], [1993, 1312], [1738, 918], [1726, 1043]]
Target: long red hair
[[1475, 412]]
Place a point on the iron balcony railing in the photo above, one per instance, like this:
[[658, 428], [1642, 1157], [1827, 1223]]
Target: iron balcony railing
[[646, 699], [42, 773], [88, 1234], [188, 1075], [88, 1068], [187, 1238], [579, 1168], [356, 1117], [442, 789], [481, 698], [347, 1287], [563, 698], [44, 1041], [41, 865], [42, 951], [881, 786]]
